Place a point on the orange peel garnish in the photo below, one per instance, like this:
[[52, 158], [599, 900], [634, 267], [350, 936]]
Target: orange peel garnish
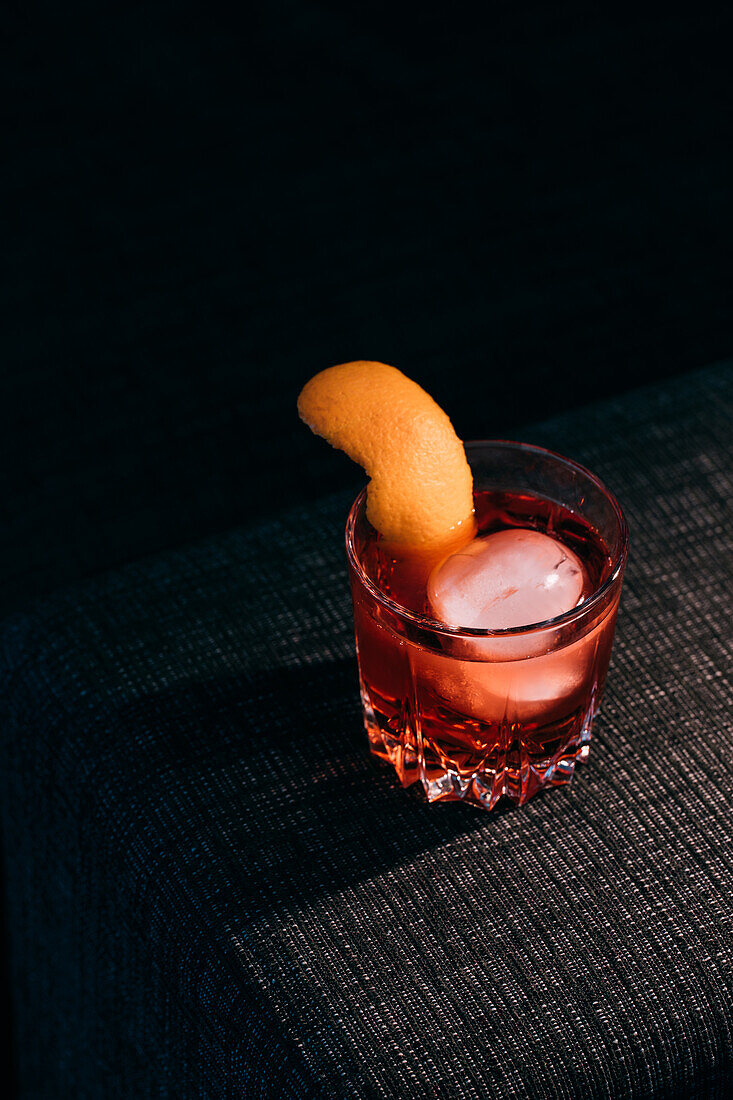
[[420, 491]]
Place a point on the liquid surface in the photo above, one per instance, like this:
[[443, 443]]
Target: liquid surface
[[407, 577]]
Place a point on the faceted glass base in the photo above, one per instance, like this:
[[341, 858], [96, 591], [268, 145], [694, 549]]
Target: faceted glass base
[[512, 763]]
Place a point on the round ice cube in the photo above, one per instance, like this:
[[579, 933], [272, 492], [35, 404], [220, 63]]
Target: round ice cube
[[509, 579]]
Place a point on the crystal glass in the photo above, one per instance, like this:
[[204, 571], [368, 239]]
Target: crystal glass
[[478, 714]]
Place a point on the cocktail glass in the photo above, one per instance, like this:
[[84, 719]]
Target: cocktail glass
[[477, 714]]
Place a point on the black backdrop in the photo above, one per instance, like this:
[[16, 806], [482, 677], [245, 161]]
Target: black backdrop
[[523, 215]]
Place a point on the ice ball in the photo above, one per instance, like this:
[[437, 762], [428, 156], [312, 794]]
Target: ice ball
[[509, 579]]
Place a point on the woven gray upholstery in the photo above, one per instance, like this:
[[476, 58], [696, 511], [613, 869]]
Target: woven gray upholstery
[[214, 891]]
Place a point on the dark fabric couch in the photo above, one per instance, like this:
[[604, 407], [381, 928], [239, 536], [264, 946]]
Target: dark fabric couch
[[214, 890]]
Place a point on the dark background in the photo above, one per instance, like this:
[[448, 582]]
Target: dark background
[[524, 214]]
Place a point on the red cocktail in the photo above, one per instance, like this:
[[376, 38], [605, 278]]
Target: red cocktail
[[482, 665]]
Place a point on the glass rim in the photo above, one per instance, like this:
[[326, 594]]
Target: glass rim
[[567, 617]]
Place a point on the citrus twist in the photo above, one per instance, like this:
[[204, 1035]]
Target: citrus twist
[[420, 491]]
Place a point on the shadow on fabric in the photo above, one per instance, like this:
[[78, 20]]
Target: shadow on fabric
[[266, 791]]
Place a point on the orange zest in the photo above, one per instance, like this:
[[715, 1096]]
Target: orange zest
[[420, 491]]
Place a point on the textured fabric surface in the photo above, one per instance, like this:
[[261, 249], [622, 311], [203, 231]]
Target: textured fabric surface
[[215, 891]]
